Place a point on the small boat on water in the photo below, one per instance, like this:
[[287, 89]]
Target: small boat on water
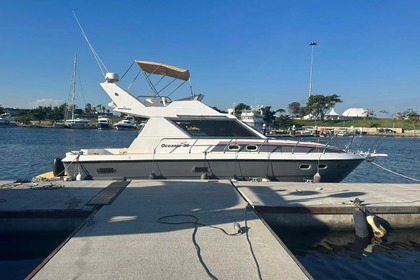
[[104, 123], [128, 123], [186, 139], [79, 123], [6, 121]]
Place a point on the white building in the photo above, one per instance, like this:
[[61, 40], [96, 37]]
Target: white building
[[253, 118], [356, 113], [333, 115]]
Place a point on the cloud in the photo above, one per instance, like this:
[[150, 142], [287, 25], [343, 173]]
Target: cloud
[[46, 102]]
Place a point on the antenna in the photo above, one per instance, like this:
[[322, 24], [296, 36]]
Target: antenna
[[95, 54]]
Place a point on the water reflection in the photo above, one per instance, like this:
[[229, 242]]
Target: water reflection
[[320, 251]]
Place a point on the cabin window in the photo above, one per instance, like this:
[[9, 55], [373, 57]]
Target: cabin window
[[251, 148], [216, 127], [322, 166], [305, 166], [233, 147]]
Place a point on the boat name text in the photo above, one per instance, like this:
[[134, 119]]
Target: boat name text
[[178, 145]]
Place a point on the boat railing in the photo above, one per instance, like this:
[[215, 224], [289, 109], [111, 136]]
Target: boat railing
[[297, 142], [207, 147], [227, 146], [189, 151], [262, 144]]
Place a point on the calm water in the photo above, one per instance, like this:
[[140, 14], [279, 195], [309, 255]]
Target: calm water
[[341, 255], [27, 152]]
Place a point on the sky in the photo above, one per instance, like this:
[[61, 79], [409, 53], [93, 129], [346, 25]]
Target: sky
[[252, 52]]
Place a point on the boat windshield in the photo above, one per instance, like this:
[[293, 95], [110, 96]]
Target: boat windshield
[[226, 128]]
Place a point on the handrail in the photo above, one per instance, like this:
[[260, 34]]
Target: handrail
[[207, 147], [224, 149], [262, 144], [297, 143], [189, 151]]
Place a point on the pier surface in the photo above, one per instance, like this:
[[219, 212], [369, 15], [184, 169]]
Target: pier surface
[[149, 229], [127, 240], [292, 194], [331, 205]]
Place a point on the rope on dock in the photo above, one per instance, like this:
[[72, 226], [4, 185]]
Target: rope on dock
[[250, 244], [196, 224]]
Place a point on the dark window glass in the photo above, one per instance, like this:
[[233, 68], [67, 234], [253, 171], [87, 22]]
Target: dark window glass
[[215, 128]]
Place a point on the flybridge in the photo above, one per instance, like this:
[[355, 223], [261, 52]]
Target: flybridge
[[159, 103], [163, 69]]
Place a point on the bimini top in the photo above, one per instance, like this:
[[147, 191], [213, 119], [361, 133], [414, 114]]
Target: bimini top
[[163, 69]]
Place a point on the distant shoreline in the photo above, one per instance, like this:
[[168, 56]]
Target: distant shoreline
[[287, 134]]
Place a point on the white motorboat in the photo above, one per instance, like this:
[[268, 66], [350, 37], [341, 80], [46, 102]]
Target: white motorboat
[[128, 123], [6, 121], [186, 139], [104, 123], [79, 123]]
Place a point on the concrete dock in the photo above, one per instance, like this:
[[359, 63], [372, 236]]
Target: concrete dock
[[125, 239], [147, 229], [331, 205]]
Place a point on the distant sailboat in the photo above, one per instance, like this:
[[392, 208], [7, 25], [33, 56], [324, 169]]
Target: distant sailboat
[[71, 122]]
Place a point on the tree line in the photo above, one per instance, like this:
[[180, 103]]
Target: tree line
[[317, 106], [56, 113]]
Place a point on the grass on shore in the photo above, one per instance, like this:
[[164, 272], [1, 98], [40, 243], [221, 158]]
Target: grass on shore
[[405, 124]]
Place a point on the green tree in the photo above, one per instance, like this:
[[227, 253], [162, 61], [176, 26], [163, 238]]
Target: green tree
[[294, 108], [98, 107], [239, 108], [268, 115], [39, 113], [369, 113], [214, 108], [319, 104], [409, 115], [385, 112], [282, 121], [58, 112], [88, 108], [303, 111]]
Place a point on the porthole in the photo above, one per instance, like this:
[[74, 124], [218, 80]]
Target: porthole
[[322, 166], [305, 166], [251, 148], [233, 147]]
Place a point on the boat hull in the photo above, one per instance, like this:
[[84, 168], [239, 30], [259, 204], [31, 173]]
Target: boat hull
[[80, 126], [274, 170], [7, 125], [103, 126], [126, 127]]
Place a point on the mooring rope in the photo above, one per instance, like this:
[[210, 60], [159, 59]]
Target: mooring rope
[[391, 171], [396, 173]]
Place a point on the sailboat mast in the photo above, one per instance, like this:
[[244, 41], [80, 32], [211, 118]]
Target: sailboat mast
[[74, 88]]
